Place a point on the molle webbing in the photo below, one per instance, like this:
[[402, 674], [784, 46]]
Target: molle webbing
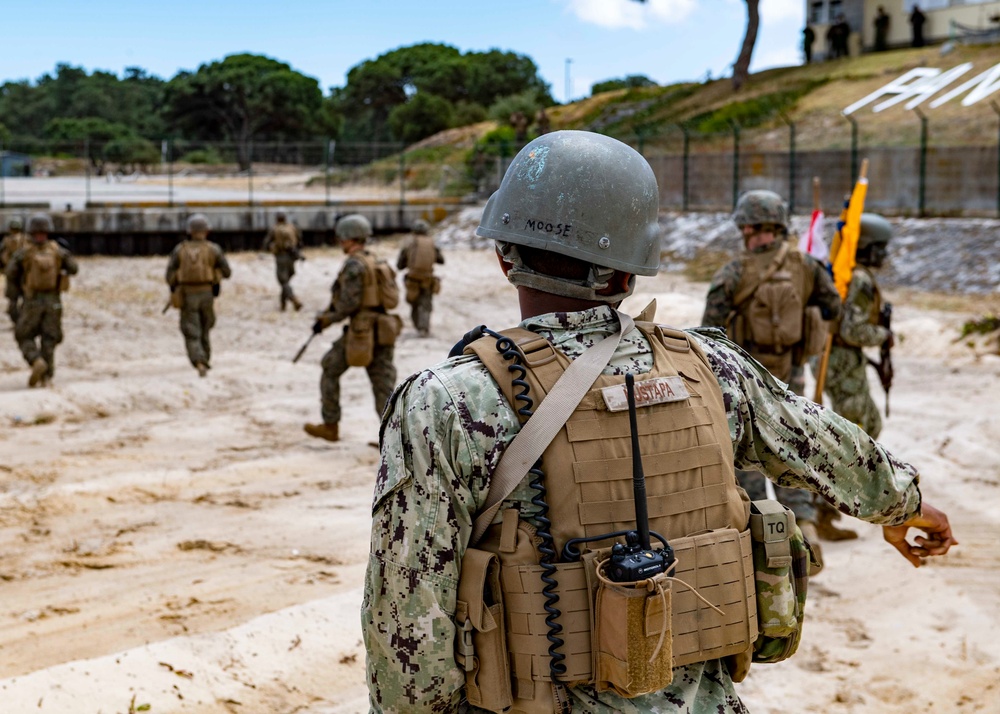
[[691, 489], [197, 263], [369, 294]]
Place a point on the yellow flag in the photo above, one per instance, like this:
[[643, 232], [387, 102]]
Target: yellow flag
[[846, 241]]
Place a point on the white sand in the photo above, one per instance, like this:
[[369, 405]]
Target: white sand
[[180, 543]]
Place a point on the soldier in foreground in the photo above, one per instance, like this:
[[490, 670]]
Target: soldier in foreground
[[37, 274], [363, 293], [575, 220], [194, 272], [285, 243], [773, 301], [418, 256], [12, 242]]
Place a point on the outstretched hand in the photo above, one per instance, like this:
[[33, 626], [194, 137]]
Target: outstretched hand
[[936, 541]]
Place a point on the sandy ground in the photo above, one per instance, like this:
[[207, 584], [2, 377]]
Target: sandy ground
[[176, 544]]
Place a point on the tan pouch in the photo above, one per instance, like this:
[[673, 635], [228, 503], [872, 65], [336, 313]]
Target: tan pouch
[[481, 644], [437, 285], [633, 639], [387, 329], [177, 298], [63, 282], [815, 329], [360, 336], [412, 289]]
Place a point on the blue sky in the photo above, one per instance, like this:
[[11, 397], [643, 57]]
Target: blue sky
[[666, 40]]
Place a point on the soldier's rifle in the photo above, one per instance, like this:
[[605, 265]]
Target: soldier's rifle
[[303, 348], [884, 366]]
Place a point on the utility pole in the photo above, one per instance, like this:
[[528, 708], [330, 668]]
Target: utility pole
[[569, 84]]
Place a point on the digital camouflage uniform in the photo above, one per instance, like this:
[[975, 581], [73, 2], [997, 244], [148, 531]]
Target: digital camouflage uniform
[[284, 262], [12, 242], [847, 373], [345, 302], [719, 306], [443, 435], [422, 304], [198, 307], [39, 322]]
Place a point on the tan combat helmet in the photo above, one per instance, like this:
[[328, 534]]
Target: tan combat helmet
[[354, 227], [197, 223], [40, 223], [421, 227], [761, 207]]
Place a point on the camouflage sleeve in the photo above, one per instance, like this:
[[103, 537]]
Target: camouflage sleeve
[[13, 273], [438, 256], [347, 300], [268, 239], [824, 294], [173, 265], [719, 302], [855, 327], [441, 435], [800, 444], [69, 264], [404, 254], [220, 261]]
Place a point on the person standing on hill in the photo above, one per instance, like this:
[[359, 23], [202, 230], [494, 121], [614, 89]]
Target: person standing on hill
[[418, 256], [284, 242], [881, 30], [194, 272], [37, 274]]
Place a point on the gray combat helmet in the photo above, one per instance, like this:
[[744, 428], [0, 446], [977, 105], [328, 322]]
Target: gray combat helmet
[[421, 226], [197, 223], [15, 225], [874, 229], [354, 227], [761, 208], [582, 195], [40, 223]]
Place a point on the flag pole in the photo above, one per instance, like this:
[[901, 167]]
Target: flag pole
[[824, 362]]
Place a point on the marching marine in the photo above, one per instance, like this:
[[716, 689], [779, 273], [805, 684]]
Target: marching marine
[[37, 274], [284, 242], [194, 273], [475, 594], [418, 256], [363, 293], [12, 242], [846, 374], [773, 301]]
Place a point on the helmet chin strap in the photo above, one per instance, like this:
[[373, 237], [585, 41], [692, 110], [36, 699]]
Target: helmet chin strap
[[587, 289]]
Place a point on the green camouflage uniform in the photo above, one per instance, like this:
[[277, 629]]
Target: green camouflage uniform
[[346, 301], [847, 373], [284, 264], [719, 306], [198, 307], [11, 243], [441, 438], [420, 309], [39, 321]]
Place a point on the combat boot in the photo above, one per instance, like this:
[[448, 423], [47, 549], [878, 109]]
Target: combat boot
[[297, 304], [202, 369], [825, 515], [329, 431], [808, 529], [38, 370]]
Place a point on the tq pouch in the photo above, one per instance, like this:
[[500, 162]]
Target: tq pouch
[[481, 638], [360, 339], [412, 289], [781, 562], [177, 298]]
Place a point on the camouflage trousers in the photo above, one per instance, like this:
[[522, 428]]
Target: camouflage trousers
[[14, 309], [381, 372], [847, 387], [420, 310], [284, 265], [39, 329], [197, 319]]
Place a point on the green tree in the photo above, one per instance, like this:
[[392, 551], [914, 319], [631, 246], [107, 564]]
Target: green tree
[[242, 98], [423, 115], [90, 134]]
